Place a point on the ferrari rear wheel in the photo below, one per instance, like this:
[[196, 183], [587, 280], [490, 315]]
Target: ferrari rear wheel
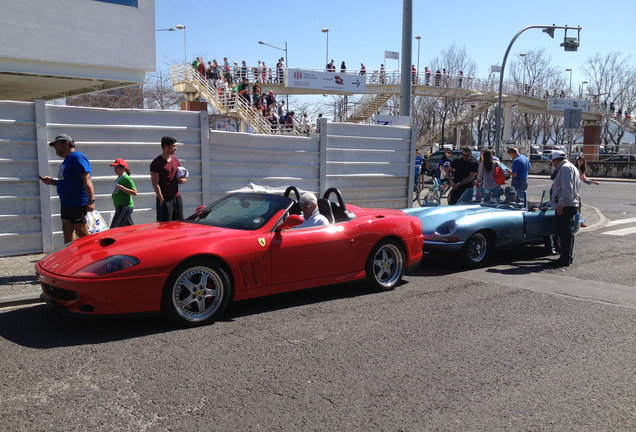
[[197, 292], [476, 250], [385, 265]]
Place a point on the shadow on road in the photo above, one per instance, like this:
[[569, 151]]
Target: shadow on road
[[518, 261], [43, 327]]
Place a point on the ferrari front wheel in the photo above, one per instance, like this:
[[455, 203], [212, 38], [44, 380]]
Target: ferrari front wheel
[[385, 265], [476, 250], [197, 292]]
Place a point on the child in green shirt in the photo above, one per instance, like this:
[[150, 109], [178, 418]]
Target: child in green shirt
[[122, 195]]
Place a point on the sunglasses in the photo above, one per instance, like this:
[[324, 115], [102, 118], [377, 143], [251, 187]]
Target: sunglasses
[[466, 155]]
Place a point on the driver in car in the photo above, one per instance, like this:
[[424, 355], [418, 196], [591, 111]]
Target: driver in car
[[309, 207]]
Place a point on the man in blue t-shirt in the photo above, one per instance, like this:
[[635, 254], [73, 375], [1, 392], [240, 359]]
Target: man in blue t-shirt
[[74, 187], [520, 169]]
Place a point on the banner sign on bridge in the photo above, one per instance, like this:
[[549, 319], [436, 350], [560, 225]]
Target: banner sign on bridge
[[559, 104], [346, 83]]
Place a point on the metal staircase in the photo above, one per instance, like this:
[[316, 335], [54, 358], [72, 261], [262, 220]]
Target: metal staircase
[[627, 124], [466, 116], [187, 80], [367, 106]]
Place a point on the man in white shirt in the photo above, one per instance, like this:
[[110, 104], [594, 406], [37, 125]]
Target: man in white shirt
[[309, 207], [565, 199]]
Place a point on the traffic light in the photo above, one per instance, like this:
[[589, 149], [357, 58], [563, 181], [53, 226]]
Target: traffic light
[[570, 44], [549, 30]]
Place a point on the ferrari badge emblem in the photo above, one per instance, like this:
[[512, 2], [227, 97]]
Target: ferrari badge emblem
[[261, 241]]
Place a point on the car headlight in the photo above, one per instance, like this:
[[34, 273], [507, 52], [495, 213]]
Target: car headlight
[[108, 265], [446, 228]]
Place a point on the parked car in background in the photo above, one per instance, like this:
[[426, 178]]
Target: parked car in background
[[621, 158], [538, 157]]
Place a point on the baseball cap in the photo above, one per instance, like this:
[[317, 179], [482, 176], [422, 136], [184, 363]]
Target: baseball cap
[[558, 154], [62, 137], [119, 162]]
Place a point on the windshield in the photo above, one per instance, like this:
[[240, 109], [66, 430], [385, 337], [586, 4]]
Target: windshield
[[499, 198], [243, 211]]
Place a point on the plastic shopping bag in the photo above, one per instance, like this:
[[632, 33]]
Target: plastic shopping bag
[[96, 222]]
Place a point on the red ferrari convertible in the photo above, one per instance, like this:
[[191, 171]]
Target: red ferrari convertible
[[242, 246]]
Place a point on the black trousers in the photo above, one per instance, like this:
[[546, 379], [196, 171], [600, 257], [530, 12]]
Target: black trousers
[[565, 230], [455, 195], [171, 210]]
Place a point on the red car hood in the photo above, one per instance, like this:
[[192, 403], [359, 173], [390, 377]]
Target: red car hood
[[141, 241]]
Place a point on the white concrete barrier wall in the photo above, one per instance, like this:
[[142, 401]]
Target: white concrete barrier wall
[[371, 165]]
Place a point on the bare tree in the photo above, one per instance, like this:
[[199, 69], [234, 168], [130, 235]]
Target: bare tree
[[610, 80], [435, 113], [126, 97], [159, 93]]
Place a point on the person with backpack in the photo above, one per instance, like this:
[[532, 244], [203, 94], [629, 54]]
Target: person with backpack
[[487, 168]]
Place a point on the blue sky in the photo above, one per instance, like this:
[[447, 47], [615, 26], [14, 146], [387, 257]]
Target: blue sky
[[360, 31]]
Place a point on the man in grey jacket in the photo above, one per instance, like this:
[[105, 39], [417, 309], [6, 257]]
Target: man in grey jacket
[[565, 199]]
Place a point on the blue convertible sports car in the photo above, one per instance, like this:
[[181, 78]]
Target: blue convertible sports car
[[484, 220]]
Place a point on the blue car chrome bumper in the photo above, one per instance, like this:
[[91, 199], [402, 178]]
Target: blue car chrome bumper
[[442, 247]]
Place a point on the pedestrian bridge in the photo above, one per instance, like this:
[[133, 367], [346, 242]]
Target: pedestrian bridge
[[477, 93]]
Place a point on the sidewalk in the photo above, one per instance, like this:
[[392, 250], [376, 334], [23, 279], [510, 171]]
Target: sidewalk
[[19, 284]]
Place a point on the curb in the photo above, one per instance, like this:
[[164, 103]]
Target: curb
[[19, 300]]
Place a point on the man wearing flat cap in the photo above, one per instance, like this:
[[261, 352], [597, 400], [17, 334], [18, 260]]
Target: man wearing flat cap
[[565, 199], [74, 187]]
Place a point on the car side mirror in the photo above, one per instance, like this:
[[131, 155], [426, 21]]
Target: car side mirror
[[289, 222]]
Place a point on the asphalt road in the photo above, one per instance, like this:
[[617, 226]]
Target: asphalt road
[[514, 346]]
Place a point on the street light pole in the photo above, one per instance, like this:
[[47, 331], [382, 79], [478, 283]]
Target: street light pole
[[582, 89], [569, 44], [185, 53], [418, 38], [523, 80], [286, 65], [326, 30], [570, 70]]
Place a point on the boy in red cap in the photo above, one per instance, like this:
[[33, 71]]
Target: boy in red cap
[[122, 195]]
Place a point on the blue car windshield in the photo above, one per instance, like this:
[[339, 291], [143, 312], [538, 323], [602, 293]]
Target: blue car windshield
[[508, 198], [243, 211]]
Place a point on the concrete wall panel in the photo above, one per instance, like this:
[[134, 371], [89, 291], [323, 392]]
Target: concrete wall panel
[[369, 164]]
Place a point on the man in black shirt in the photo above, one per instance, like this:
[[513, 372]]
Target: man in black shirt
[[461, 173]]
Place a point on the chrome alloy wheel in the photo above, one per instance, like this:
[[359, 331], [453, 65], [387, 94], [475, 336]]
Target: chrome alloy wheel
[[387, 265], [198, 293]]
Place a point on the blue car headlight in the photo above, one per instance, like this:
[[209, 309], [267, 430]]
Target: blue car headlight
[[446, 228], [108, 265]]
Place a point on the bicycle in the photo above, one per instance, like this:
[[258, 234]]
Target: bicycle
[[432, 196], [419, 185]]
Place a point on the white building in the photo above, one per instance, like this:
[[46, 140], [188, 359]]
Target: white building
[[51, 49]]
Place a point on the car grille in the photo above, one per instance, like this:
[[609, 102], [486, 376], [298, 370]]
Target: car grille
[[60, 293]]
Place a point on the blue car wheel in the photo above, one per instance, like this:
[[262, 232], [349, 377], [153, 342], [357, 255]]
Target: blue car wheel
[[476, 250]]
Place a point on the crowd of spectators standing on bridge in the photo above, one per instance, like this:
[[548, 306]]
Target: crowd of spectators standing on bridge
[[233, 82]]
